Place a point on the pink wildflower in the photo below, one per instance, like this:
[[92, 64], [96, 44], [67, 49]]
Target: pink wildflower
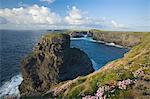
[[100, 92], [123, 84]]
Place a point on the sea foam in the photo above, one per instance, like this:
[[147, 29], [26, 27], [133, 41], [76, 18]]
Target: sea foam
[[10, 88], [94, 64], [92, 40]]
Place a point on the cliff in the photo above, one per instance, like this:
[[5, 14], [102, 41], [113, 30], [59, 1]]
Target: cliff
[[128, 77], [76, 33], [126, 39], [52, 61]]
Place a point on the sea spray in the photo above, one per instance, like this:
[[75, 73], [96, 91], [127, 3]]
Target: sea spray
[[94, 64], [10, 88]]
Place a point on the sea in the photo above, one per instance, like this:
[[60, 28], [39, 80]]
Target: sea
[[16, 44]]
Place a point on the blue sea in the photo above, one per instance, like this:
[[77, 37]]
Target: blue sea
[[16, 44]]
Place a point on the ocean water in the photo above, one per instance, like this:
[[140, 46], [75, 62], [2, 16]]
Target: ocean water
[[99, 52], [16, 44]]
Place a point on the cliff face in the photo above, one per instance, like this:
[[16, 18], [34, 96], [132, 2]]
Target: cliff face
[[52, 61], [76, 33], [128, 77], [126, 39]]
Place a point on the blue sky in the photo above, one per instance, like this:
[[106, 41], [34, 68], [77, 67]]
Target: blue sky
[[127, 15]]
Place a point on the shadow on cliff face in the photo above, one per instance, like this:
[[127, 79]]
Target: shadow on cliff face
[[52, 61]]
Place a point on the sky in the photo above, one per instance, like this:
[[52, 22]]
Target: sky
[[116, 15]]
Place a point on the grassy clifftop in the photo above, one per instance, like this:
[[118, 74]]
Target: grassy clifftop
[[128, 77]]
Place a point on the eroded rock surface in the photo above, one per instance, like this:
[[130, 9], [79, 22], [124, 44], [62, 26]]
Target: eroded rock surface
[[52, 61]]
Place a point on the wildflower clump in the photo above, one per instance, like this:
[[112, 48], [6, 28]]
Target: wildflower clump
[[104, 91], [124, 83]]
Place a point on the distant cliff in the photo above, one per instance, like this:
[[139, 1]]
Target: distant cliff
[[76, 33], [126, 39], [128, 77], [52, 61]]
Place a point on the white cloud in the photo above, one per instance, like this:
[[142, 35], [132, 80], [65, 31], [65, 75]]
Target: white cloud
[[30, 16], [116, 25], [48, 1], [75, 17], [40, 17]]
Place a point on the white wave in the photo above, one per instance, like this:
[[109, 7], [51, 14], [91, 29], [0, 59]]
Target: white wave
[[10, 88], [94, 64], [80, 38], [91, 40], [85, 36], [118, 46], [110, 44], [113, 44]]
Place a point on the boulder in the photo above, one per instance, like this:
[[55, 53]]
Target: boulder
[[52, 61]]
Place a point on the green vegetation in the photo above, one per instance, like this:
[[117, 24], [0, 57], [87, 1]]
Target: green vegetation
[[53, 35], [69, 31], [135, 65]]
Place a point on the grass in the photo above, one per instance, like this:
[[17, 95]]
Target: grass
[[53, 35]]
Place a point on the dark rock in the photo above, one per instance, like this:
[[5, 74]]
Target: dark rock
[[76, 34], [89, 34], [52, 61]]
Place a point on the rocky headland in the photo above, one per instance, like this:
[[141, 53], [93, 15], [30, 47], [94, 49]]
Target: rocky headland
[[125, 78], [51, 62], [49, 71], [76, 34], [125, 39]]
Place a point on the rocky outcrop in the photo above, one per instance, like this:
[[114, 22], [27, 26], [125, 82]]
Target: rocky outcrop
[[76, 34], [52, 61]]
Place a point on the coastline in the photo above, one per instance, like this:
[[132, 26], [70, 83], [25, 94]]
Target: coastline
[[99, 41], [133, 67], [10, 87]]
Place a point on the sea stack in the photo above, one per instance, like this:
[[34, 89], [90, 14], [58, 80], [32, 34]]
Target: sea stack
[[52, 61]]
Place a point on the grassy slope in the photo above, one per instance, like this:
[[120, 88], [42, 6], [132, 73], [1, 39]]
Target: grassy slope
[[124, 68]]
